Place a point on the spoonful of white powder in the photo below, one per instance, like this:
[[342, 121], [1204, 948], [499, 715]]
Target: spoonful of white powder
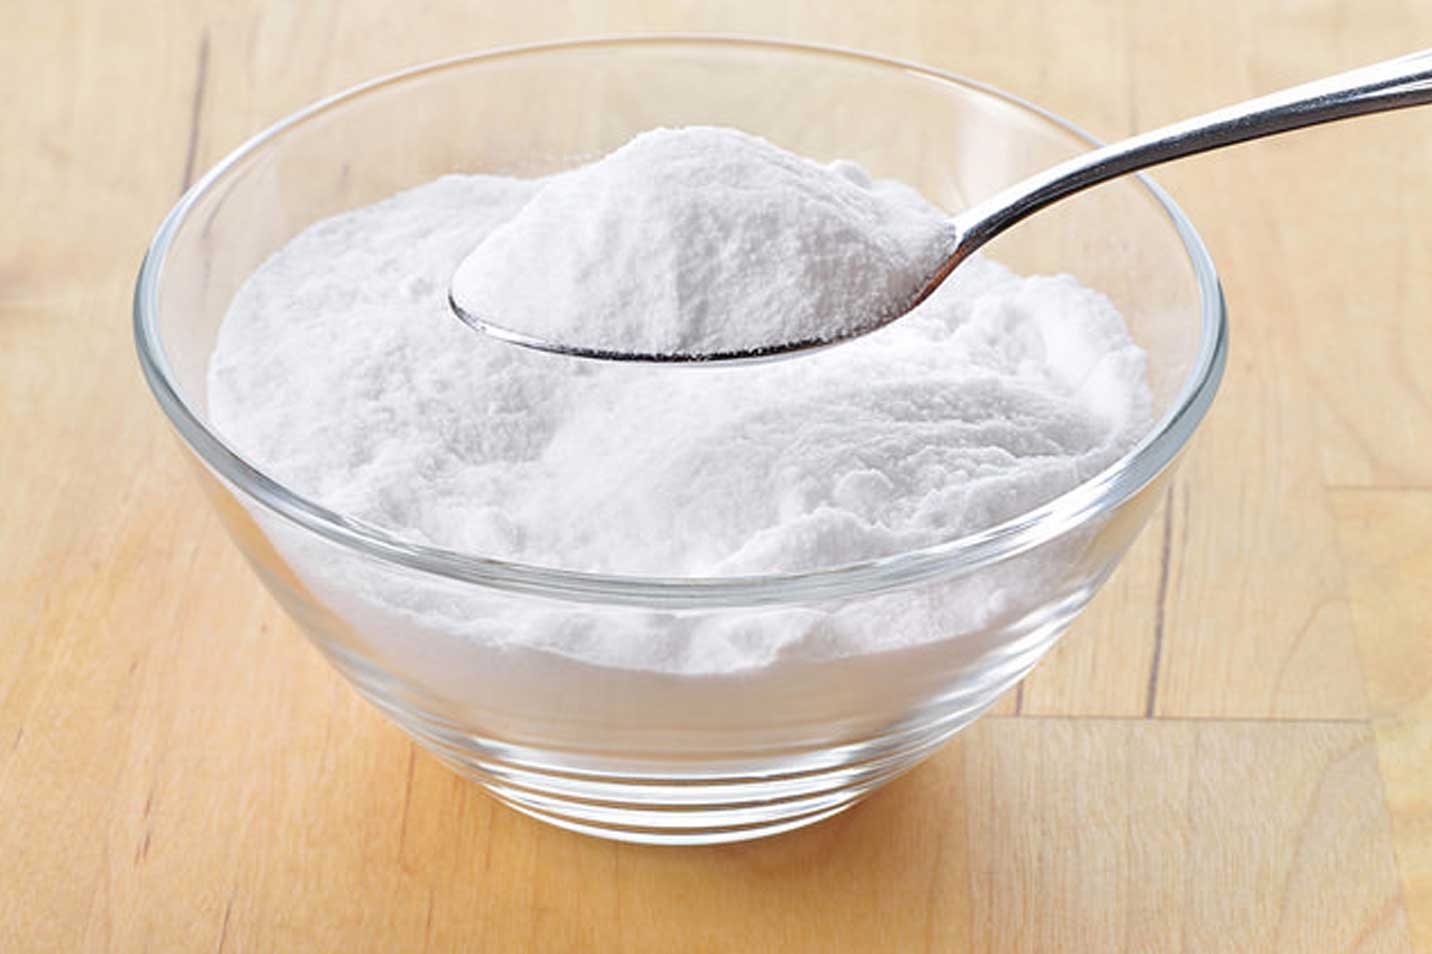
[[700, 241], [709, 244]]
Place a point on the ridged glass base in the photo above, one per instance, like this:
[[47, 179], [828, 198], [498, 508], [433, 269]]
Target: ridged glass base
[[676, 807]]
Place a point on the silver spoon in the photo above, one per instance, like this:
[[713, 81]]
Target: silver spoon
[[1394, 84]]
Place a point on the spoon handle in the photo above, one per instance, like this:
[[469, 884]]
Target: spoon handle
[[1405, 81]]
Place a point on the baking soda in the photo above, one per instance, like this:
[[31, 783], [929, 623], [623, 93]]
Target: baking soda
[[703, 240], [340, 372]]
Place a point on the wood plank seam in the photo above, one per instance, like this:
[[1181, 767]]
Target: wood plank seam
[[1161, 603], [196, 109]]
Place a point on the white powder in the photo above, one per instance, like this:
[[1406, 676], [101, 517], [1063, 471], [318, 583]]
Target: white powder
[[340, 371], [702, 240]]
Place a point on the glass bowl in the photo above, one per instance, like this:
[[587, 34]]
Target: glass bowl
[[673, 753]]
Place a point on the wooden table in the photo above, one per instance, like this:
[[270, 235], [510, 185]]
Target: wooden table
[[1232, 751]]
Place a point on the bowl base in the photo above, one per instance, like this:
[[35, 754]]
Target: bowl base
[[678, 808]]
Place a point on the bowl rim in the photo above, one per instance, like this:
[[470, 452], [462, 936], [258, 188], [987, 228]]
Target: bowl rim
[[1098, 494]]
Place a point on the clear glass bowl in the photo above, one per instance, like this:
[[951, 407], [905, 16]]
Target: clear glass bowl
[[436, 638]]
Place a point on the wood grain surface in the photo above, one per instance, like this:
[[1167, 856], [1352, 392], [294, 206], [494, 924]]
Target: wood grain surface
[[1232, 751]]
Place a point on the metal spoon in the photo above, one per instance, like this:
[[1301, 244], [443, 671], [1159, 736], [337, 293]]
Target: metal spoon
[[1394, 84]]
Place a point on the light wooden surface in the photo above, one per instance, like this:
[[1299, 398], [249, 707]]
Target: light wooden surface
[[1231, 752]]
